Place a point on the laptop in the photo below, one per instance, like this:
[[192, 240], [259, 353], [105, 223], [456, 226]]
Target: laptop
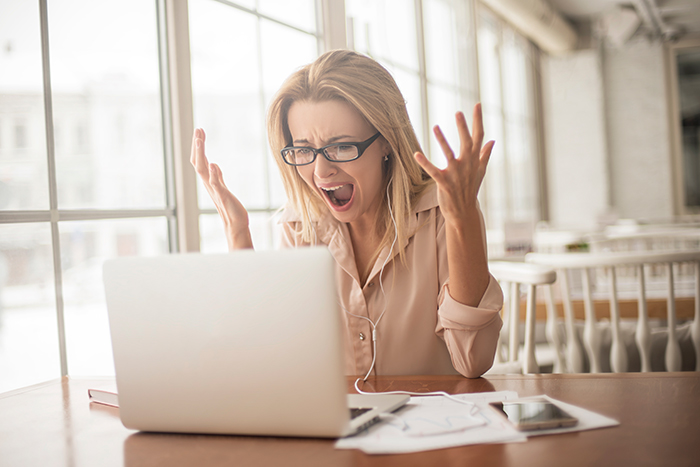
[[243, 343]]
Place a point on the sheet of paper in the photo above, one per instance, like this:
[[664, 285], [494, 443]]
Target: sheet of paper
[[437, 422]]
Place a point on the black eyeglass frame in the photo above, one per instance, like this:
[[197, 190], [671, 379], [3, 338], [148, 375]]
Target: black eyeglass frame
[[361, 148]]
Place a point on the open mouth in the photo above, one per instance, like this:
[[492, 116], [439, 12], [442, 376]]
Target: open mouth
[[339, 195]]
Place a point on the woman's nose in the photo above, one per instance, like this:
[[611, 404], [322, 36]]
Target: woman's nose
[[323, 168]]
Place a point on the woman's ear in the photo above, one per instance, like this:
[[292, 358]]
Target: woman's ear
[[386, 148]]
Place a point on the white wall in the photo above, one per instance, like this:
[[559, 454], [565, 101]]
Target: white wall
[[606, 134], [638, 130], [575, 144]]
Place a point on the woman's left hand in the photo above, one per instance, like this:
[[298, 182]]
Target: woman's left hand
[[458, 183]]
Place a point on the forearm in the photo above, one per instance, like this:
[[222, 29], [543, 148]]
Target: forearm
[[466, 258]]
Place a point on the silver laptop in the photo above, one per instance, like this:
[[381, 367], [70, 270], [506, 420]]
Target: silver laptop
[[240, 343]]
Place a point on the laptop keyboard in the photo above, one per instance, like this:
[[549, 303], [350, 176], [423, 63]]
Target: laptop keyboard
[[357, 411]]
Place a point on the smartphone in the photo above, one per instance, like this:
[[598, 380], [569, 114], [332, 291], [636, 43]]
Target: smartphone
[[534, 414]]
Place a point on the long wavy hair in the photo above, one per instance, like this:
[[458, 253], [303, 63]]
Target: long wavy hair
[[368, 87]]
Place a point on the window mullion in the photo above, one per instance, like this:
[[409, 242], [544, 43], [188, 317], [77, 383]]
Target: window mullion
[[53, 191], [333, 24], [178, 46], [166, 124], [423, 76]]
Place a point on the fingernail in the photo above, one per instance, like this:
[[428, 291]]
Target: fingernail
[[198, 143]]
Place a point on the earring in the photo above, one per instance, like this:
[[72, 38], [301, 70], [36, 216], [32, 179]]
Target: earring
[[386, 158]]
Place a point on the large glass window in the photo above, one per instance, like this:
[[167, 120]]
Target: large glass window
[[433, 57], [387, 31], [507, 69], [93, 187], [240, 57], [450, 59], [23, 167]]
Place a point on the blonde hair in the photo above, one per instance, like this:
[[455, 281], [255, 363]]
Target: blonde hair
[[369, 88]]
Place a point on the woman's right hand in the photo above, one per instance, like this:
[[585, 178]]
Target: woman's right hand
[[230, 209]]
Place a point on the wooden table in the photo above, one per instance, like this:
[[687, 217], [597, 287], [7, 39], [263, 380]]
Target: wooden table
[[53, 424]]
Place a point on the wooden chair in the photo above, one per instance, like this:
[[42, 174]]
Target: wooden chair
[[511, 275], [643, 263]]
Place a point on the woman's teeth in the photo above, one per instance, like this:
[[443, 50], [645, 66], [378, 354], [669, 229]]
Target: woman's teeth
[[339, 195], [331, 188]]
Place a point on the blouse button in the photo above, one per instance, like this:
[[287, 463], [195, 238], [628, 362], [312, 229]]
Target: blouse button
[[362, 337], [371, 284]]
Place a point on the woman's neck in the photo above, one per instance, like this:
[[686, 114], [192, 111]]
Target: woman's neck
[[365, 244]]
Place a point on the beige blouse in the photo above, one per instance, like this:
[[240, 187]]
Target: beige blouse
[[423, 330]]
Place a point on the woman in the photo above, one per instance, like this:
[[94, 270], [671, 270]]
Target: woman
[[408, 238]]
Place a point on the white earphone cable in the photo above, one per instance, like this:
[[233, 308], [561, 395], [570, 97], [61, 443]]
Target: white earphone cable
[[408, 393], [381, 286]]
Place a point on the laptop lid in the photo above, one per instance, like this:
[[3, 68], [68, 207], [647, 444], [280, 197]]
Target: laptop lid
[[239, 343]]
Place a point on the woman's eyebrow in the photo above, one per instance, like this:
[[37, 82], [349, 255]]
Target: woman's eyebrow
[[329, 141]]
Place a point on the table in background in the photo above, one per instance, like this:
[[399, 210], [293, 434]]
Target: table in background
[[53, 424]]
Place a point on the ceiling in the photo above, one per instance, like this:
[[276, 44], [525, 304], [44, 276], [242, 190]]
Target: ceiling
[[683, 15]]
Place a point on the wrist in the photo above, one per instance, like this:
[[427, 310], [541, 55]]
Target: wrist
[[239, 239], [465, 221]]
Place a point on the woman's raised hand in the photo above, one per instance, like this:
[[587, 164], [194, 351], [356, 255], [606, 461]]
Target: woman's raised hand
[[458, 183], [232, 212]]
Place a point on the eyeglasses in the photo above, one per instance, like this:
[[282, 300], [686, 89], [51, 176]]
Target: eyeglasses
[[336, 152]]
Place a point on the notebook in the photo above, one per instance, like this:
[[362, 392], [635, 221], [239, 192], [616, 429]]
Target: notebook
[[240, 343]]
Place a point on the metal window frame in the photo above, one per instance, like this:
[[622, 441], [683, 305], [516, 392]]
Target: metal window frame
[[330, 34], [540, 185], [54, 215], [466, 17]]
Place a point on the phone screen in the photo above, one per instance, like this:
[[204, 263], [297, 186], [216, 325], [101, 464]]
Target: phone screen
[[534, 414]]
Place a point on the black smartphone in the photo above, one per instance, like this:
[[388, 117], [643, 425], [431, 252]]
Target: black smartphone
[[534, 414]]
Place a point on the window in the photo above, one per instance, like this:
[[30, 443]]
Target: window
[[433, 57], [387, 31], [66, 208], [232, 86], [506, 67], [86, 164]]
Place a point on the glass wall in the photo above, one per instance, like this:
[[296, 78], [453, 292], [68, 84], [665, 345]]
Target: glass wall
[[507, 70], [240, 56], [445, 59], [91, 188]]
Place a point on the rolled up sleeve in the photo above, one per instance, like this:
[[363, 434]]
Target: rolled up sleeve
[[471, 333]]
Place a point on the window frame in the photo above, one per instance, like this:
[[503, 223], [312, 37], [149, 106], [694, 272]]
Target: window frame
[[534, 78], [53, 215], [328, 12]]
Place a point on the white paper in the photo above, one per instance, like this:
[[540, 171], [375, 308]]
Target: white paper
[[437, 422]]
